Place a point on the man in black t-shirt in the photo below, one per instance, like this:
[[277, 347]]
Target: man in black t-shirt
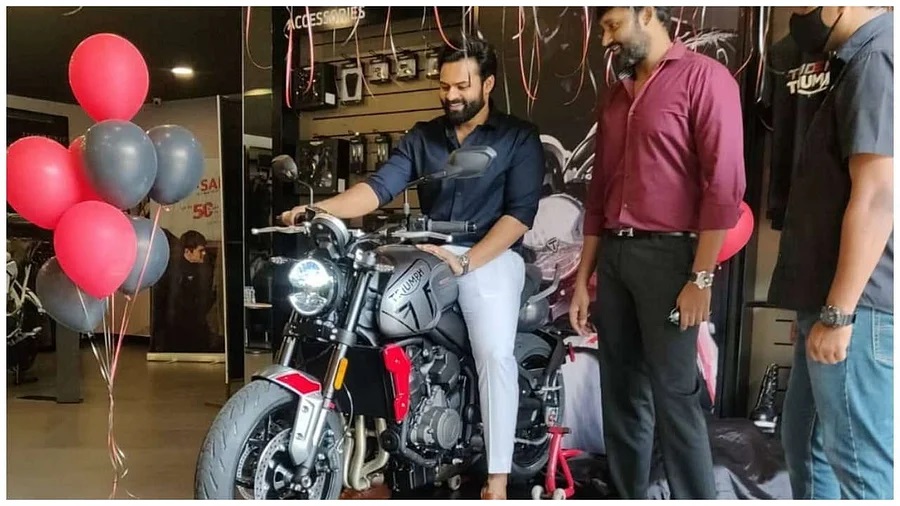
[[797, 83]]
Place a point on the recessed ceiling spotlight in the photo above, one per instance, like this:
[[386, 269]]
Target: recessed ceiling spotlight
[[183, 71]]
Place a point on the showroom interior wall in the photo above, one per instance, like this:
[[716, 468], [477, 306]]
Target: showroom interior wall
[[396, 106], [197, 115]]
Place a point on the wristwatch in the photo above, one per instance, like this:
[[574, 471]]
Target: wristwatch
[[702, 279], [464, 263], [833, 317]]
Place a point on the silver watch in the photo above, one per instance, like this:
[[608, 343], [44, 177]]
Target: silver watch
[[464, 263], [834, 317], [702, 279]]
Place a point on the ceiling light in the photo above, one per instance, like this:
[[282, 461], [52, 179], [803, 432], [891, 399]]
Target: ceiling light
[[183, 71]]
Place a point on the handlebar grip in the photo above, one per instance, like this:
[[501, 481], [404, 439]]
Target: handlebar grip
[[451, 227]]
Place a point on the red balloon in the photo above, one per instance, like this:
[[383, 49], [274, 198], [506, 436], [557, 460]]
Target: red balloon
[[739, 235], [109, 77], [96, 247], [76, 151], [41, 182]]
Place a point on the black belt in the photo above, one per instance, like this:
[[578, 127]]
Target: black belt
[[630, 233]]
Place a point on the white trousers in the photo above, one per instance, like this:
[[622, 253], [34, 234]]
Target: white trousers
[[490, 299]]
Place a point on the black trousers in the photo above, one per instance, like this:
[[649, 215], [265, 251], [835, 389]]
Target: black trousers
[[648, 367]]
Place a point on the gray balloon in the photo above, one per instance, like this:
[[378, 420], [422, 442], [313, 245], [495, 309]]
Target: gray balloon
[[156, 264], [180, 160], [120, 162], [65, 302]]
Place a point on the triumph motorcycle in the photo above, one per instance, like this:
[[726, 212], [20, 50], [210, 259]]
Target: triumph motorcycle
[[374, 381], [26, 320]]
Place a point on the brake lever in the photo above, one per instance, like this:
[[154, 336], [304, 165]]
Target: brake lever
[[293, 229], [423, 235]]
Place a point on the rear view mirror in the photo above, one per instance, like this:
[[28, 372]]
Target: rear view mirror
[[284, 168], [469, 162]]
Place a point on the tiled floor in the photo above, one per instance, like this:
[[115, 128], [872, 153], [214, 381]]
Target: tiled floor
[[162, 412], [59, 451]]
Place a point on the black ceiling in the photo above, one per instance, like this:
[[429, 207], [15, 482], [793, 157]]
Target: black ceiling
[[208, 39]]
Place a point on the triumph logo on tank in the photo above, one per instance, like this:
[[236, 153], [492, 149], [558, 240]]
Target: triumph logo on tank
[[809, 78], [408, 285]]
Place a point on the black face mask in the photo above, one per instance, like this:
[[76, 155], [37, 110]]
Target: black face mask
[[810, 32]]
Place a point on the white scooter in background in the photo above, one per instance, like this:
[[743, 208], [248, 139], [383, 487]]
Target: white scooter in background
[[25, 320]]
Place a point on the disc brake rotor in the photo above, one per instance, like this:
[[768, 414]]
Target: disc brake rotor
[[274, 472]]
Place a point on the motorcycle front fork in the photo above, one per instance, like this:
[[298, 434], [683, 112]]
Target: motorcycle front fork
[[342, 338]]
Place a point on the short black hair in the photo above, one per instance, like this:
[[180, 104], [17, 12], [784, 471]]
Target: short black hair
[[473, 47], [663, 14], [192, 240]]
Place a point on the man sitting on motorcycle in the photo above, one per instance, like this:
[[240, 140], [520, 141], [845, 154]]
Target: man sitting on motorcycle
[[502, 203]]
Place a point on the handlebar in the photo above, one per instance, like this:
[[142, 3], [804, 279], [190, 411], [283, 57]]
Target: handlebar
[[451, 227]]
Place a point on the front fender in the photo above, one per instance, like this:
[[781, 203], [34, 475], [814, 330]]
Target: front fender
[[308, 422]]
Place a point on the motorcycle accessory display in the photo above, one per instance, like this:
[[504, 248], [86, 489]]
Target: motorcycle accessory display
[[407, 66], [431, 65], [322, 95], [379, 70], [351, 89], [358, 154], [382, 149], [324, 164]]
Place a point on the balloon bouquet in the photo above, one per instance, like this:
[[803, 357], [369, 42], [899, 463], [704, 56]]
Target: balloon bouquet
[[80, 192]]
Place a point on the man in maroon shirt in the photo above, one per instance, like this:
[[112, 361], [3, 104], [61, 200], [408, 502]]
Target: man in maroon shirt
[[667, 183]]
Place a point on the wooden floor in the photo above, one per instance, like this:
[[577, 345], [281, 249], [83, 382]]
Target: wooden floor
[[162, 411]]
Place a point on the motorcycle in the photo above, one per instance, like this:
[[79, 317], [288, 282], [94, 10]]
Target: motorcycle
[[26, 320], [375, 380]]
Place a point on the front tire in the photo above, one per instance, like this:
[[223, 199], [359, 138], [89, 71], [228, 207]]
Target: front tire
[[250, 425]]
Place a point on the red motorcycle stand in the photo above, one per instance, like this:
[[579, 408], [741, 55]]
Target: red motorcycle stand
[[558, 462]]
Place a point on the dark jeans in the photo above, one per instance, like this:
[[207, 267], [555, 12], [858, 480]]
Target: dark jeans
[[648, 369]]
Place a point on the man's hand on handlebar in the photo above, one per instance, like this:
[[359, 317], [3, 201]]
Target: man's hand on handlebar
[[289, 217]]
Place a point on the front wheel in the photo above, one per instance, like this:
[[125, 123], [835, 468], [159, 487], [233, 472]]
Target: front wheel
[[245, 454]]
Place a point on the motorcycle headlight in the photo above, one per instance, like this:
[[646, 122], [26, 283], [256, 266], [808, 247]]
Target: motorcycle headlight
[[314, 286]]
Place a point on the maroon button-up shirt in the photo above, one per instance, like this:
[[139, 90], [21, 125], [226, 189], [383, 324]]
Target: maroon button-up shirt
[[670, 159]]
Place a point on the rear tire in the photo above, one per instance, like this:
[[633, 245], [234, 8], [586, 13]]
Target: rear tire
[[223, 448], [533, 352]]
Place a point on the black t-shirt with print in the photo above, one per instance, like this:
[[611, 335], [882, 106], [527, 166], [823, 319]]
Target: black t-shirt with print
[[796, 86]]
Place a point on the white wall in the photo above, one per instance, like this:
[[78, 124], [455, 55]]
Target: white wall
[[200, 116]]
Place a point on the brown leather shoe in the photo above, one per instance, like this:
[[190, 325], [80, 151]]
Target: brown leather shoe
[[375, 492]]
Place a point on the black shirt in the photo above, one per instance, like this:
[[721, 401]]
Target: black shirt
[[510, 186], [797, 84], [856, 117]]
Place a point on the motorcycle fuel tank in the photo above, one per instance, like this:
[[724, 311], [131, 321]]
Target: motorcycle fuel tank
[[421, 287]]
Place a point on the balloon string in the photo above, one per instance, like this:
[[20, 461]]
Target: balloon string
[[117, 456], [129, 305]]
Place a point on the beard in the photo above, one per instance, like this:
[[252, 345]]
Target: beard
[[468, 111], [630, 54]]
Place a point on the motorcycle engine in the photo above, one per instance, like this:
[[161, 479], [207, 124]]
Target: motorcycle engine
[[436, 399]]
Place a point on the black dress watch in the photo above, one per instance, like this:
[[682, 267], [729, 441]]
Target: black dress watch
[[833, 317]]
